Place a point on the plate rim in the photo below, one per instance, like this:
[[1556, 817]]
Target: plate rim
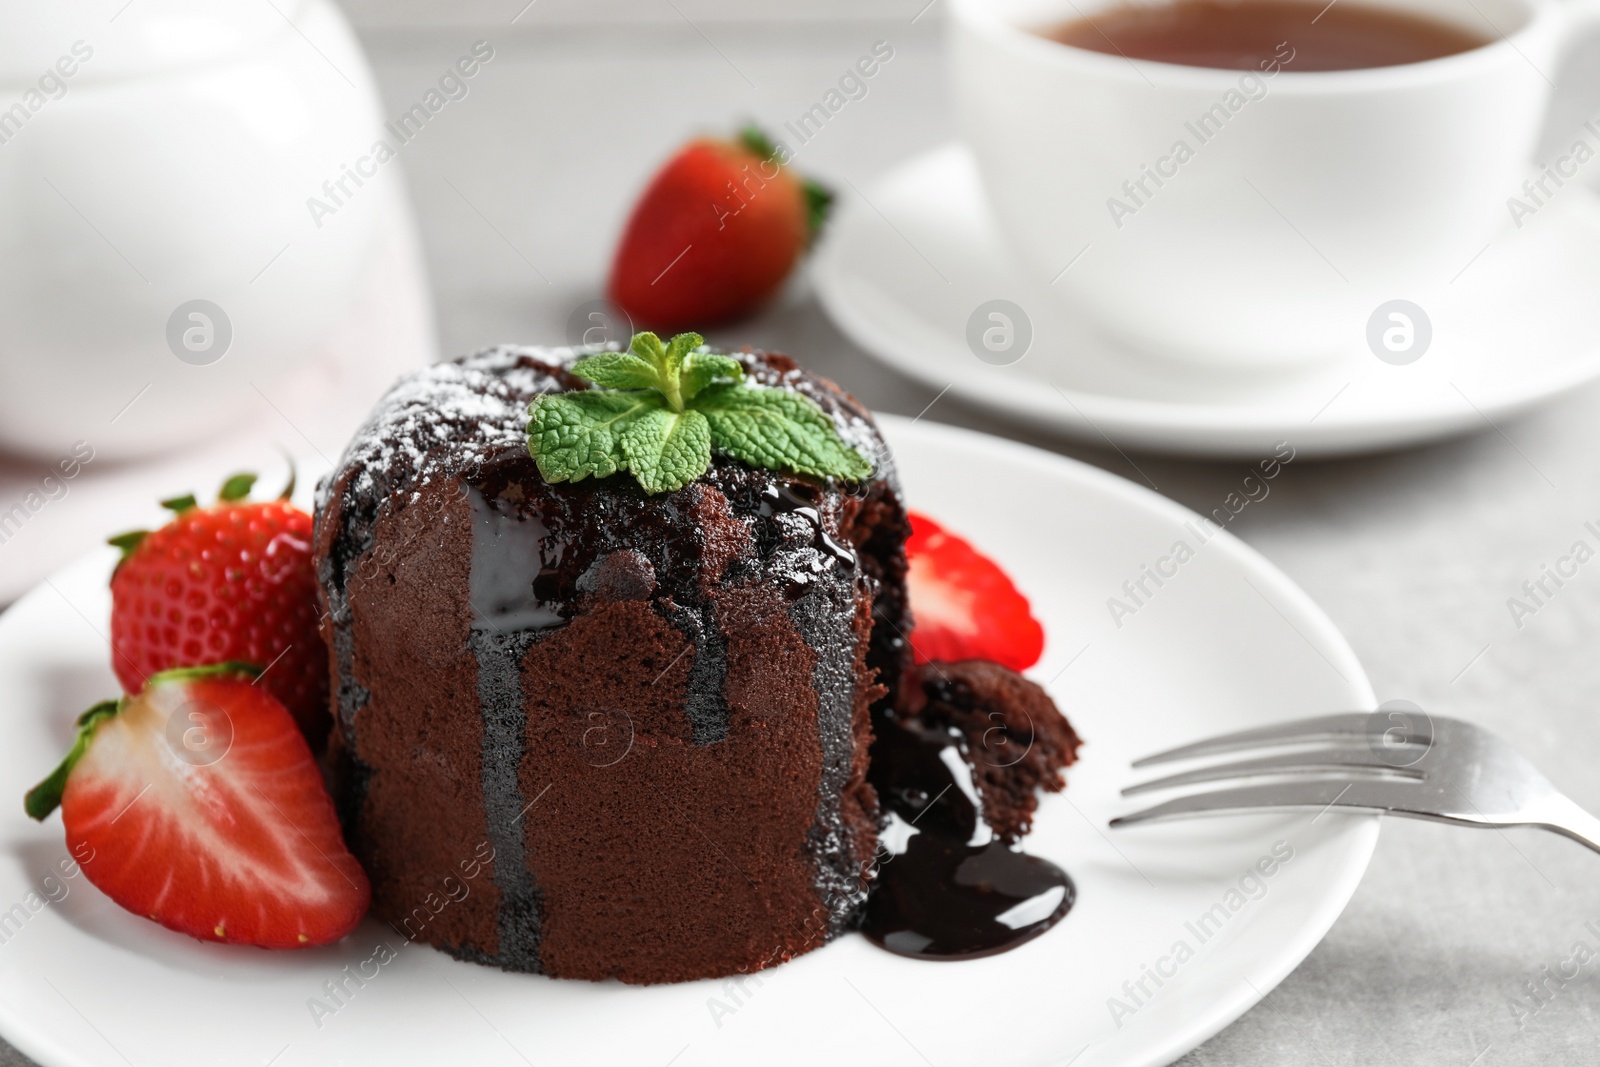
[[1176, 427], [1163, 1047]]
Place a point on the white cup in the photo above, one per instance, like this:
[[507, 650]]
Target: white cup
[[1304, 201]]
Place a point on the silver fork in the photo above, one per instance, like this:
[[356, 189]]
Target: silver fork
[[1441, 769]]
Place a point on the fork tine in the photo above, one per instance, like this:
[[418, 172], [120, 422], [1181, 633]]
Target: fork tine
[[1343, 759], [1315, 795], [1339, 727]]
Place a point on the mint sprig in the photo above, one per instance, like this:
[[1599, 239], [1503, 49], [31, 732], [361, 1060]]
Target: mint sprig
[[662, 410]]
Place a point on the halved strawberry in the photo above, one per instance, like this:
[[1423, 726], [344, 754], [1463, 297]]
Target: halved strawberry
[[964, 605], [197, 803]]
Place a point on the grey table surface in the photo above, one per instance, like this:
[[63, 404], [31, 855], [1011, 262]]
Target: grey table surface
[[520, 190]]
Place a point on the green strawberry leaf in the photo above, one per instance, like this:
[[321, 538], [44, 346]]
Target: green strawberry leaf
[[755, 140], [819, 200], [127, 542], [231, 668], [294, 476], [575, 435], [45, 797], [780, 430], [701, 369], [236, 488], [666, 450], [618, 370]]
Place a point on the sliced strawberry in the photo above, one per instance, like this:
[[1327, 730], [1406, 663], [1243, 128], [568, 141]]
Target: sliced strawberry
[[197, 804], [964, 605], [229, 581]]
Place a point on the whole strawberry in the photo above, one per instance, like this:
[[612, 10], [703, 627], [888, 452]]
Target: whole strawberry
[[715, 234], [232, 581]]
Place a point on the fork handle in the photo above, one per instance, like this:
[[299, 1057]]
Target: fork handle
[[1565, 817]]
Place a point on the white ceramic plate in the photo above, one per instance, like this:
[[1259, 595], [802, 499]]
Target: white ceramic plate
[[1229, 642], [902, 272]]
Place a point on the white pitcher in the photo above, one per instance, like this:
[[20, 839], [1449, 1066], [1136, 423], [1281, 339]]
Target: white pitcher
[[179, 217]]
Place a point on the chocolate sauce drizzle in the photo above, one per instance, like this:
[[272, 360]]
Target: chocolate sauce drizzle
[[778, 499], [507, 615], [947, 888]]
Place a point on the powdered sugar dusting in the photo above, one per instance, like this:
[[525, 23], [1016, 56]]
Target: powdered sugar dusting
[[450, 418], [457, 416]]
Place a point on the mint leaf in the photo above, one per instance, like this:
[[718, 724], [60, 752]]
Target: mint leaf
[[678, 350], [618, 370], [661, 410], [666, 450], [705, 368], [671, 364], [780, 430], [648, 347], [667, 360], [574, 435]]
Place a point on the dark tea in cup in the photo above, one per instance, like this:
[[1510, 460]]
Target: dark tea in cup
[[1240, 34]]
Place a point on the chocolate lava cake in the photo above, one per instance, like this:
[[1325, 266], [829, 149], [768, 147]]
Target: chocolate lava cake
[[652, 710], [589, 732]]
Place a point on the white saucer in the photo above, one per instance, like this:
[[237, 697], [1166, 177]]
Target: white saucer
[[1227, 643], [902, 272]]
